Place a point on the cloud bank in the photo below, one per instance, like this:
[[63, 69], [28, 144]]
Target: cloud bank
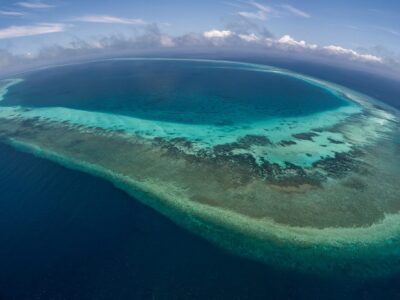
[[332, 50], [149, 38]]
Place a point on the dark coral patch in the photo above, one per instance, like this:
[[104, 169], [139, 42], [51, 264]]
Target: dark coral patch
[[307, 136], [285, 143], [252, 139], [242, 143], [333, 141], [355, 183], [342, 164]]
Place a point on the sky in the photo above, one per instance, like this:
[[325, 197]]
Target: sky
[[362, 30]]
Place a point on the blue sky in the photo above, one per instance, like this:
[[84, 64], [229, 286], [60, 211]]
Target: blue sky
[[364, 26]]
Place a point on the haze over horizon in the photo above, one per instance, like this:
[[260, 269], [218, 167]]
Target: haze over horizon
[[337, 31]]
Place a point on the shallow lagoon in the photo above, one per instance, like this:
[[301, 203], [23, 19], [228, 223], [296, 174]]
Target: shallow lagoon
[[312, 191]]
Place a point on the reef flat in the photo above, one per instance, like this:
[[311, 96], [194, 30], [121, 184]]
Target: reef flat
[[316, 192]]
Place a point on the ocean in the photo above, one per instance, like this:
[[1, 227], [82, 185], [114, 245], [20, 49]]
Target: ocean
[[65, 234]]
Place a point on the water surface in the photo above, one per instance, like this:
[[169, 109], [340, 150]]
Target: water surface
[[288, 170], [175, 91]]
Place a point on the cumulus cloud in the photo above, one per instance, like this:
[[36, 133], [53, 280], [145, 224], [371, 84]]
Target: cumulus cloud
[[212, 34], [37, 29], [296, 11], [352, 54], [34, 4], [287, 40], [109, 20], [249, 37], [167, 41]]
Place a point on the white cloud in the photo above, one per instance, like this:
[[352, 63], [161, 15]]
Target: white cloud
[[352, 54], [21, 31], [11, 13], [34, 4], [287, 40], [217, 34], [249, 37], [109, 20], [296, 11], [167, 41]]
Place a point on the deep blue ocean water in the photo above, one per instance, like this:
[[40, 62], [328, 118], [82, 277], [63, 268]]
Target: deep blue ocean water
[[68, 235], [173, 91]]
